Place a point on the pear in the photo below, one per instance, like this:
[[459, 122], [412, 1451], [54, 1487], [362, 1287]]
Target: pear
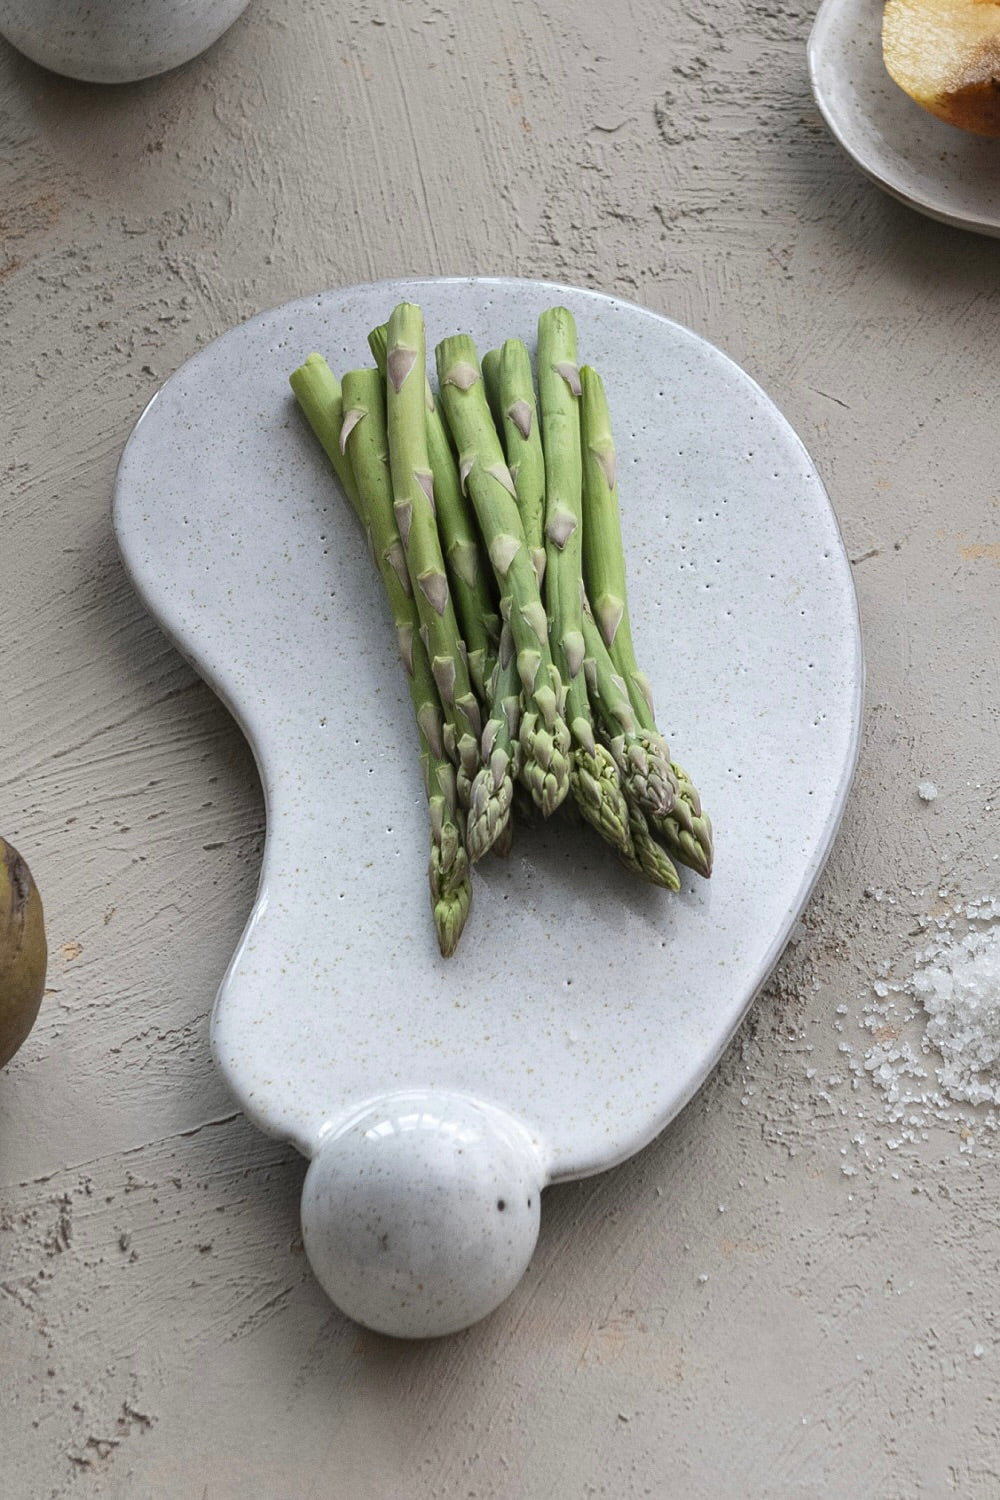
[[946, 55], [23, 951]]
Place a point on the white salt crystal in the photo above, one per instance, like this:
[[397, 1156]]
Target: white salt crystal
[[927, 791]]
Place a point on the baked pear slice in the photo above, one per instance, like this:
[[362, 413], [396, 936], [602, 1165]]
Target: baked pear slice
[[946, 55]]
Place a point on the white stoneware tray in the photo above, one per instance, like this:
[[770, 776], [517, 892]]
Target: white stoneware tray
[[435, 1099], [946, 173]]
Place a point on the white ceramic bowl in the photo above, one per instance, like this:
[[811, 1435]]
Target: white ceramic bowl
[[115, 41], [949, 174]]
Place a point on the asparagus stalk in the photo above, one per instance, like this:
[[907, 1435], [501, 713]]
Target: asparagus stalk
[[413, 502], [469, 572], [603, 553], [320, 395], [594, 780], [647, 857], [684, 828], [489, 368], [365, 439], [544, 736], [646, 773], [508, 371], [515, 418]]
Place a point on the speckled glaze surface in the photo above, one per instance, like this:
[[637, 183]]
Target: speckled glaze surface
[[582, 1009], [946, 173], [115, 41]]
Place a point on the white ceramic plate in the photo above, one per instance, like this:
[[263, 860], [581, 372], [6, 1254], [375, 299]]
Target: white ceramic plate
[[582, 1006], [946, 173]]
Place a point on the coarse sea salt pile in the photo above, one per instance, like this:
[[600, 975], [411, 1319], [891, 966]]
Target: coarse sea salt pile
[[959, 989], [934, 1037]]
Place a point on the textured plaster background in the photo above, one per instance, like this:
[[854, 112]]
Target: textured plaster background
[[731, 1314]]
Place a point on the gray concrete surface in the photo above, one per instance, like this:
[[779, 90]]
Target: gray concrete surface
[[791, 1294]]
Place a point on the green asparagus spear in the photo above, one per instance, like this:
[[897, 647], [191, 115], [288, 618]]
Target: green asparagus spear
[[413, 500], [319, 394], [515, 402], [647, 857], [684, 829], [469, 571], [523, 448], [544, 736], [365, 438], [594, 780], [603, 554], [646, 773], [489, 368]]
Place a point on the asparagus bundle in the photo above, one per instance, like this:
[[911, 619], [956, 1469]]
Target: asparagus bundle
[[493, 517]]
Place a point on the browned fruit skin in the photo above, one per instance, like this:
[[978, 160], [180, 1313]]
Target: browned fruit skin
[[23, 951], [946, 55]]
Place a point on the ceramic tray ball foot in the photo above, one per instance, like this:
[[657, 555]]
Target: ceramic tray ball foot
[[420, 1215]]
